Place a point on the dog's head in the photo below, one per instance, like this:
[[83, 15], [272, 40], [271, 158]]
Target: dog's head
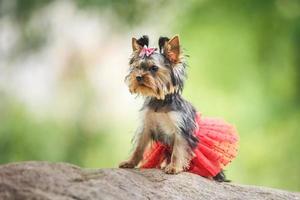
[[156, 73]]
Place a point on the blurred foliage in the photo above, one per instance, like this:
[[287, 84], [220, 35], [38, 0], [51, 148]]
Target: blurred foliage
[[244, 66], [130, 11], [245, 61], [26, 137]]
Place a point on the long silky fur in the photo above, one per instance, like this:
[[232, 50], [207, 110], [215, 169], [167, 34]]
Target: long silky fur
[[174, 102]]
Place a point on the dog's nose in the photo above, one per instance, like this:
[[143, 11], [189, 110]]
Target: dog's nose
[[139, 78]]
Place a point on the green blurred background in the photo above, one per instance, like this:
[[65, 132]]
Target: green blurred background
[[62, 68]]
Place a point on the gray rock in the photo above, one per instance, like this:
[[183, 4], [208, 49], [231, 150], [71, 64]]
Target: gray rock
[[44, 180]]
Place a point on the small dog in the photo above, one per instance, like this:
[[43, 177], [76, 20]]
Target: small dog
[[168, 118]]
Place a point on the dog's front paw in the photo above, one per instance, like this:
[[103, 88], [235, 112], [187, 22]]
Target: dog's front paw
[[172, 169], [126, 164]]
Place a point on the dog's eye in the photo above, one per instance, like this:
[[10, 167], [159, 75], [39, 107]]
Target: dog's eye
[[154, 68]]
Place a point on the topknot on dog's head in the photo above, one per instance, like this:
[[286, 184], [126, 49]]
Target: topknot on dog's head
[[144, 40], [161, 43]]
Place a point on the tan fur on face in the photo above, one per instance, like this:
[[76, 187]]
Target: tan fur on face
[[156, 86], [147, 88]]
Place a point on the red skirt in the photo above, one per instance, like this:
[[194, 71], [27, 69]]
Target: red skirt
[[218, 145]]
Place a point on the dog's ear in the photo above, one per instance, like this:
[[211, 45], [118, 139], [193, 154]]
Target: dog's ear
[[172, 49], [137, 45]]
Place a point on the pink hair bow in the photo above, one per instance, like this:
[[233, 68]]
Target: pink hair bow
[[146, 51]]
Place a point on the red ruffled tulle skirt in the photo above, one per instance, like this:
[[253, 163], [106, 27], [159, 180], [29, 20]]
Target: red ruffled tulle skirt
[[218, 145]]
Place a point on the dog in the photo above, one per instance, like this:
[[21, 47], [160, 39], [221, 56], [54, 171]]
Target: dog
[[173, 136]]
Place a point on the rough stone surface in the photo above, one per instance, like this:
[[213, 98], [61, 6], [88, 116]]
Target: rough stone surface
[[43, 180]]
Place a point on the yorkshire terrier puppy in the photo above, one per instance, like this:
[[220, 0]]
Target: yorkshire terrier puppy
[[167, 118]]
